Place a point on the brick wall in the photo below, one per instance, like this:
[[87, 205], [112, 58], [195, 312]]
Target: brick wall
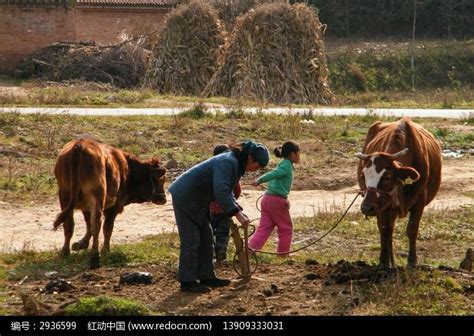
[[26, 29], [105, 25]]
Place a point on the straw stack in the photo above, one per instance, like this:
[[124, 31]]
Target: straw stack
[[276, 54], [186, 54]]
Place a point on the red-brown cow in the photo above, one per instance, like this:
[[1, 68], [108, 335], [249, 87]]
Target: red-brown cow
[[400, 172], [101, 180]]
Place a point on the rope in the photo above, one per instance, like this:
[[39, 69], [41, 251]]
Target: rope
[[253, 253], [318, 239]]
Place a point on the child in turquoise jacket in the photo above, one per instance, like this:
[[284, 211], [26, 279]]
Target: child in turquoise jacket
[[275, 205]]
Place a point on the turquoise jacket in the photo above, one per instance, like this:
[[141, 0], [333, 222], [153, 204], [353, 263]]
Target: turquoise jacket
[[280, 179]]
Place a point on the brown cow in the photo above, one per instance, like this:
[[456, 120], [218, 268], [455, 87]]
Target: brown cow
[[400, 172], [101, 180]]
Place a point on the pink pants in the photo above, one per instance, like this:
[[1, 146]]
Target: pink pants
[[275, 212]]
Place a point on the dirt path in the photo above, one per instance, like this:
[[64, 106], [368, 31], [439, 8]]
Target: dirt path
[[31, 226]]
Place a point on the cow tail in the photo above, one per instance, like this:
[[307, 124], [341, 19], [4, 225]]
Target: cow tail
[[74, 183]]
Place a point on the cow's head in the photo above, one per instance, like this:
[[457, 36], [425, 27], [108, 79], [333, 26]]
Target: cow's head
[[381, 177], [157, 179]]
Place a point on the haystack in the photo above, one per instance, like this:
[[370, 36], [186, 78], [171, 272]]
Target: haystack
[[186, 54], [276, 54]]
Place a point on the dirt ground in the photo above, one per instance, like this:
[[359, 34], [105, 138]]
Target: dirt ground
[[288, 289], [30, 226]]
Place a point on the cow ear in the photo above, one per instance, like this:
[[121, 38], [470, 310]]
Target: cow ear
[[159, 171], [407, 175]]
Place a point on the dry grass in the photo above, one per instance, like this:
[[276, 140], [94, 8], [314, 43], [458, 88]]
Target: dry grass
[[122, 65]]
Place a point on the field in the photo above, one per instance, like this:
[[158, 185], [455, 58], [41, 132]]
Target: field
[[338, 276]]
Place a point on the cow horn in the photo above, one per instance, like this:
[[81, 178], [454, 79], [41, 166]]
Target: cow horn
[[399, 154], [361, 156]]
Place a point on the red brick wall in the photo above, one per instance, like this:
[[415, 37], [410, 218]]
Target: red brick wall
[[26, 29], [105, 25]]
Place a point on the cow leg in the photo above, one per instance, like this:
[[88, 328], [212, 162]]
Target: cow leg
[[110, 215], [68, 225], [96, 223], [83, 243], [412, 232], [386, 223]]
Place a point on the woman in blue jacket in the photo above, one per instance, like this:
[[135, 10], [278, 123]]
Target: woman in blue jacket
[[192, 192]]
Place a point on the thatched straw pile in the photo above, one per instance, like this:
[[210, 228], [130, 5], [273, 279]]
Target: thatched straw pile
[[276, 54], [122, 65], [42, 63], [186, 54]]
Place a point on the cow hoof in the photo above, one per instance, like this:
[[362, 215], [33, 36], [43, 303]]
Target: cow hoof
[[384, 266], [412, 261], [412, 265], [80, 245], [104, 251], [64, 253], [94, 263]]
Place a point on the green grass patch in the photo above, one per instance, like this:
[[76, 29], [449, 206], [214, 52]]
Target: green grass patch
[[3, 273], [3, 290], [35, 264], [106, 306], [198, 111], [163, 247], [416, 293], [159, 248]]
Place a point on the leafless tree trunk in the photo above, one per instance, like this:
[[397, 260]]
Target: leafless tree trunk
[[412, 47]]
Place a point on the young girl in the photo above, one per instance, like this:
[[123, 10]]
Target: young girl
[[275, 205]]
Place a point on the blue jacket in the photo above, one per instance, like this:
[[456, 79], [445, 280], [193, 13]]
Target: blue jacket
[[213, 179]]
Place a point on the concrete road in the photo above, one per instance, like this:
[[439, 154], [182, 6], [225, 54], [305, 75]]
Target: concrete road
[[437, 113]]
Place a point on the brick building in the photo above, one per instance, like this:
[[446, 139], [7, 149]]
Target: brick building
[[29, 25]]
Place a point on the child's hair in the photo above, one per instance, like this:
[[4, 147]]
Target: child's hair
[[219, 149], [286, 149]]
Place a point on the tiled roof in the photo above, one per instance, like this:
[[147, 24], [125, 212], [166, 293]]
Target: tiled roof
[[93, 3], [35, 2], [127, 3]]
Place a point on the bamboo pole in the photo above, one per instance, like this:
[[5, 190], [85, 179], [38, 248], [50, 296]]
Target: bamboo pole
[[242, 248]]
